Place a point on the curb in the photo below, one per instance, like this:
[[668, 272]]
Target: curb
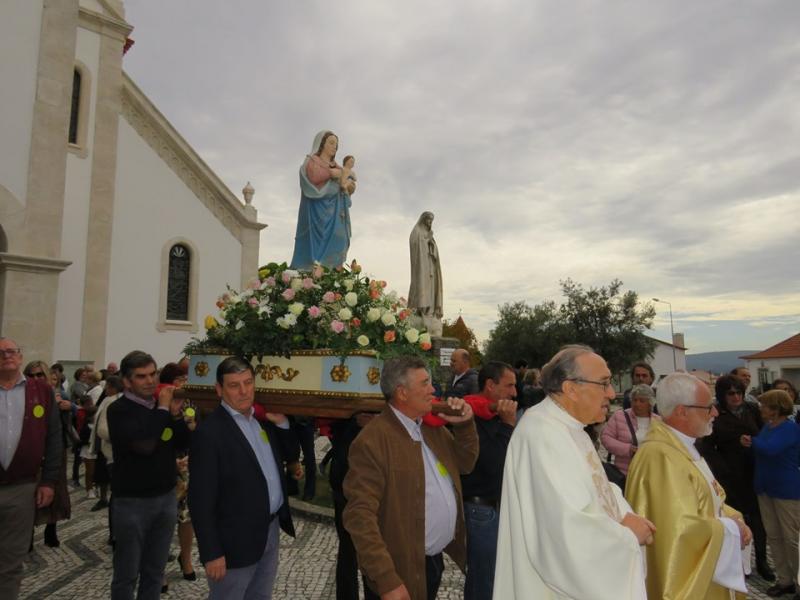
[[311, 511]]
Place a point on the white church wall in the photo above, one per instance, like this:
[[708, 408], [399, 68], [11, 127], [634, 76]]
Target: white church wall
[[69, 312], [20, 26], [153, 206], [663, 363]]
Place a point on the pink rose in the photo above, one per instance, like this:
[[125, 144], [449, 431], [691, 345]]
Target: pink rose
[[374, 294], [317, 272], [314, 311], [425, 346], [308, 283], [270, 281], [328, 297], [389, 336], [288, 294], [287, 277], [356, 322], [252, 302], [337, 326]]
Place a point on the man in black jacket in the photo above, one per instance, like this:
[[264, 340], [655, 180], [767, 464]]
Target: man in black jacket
[[237, 489], [465, 380], [482, 487], [145, 434]]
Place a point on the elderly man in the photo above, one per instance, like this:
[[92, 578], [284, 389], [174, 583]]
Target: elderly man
[[496, 414], [145, 433], [697, 552], [465, 379], [30, 460], [237, 490], [403, 488], [565, 531]]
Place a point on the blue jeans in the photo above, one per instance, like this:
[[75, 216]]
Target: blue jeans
[[482, 523], [143, 529]]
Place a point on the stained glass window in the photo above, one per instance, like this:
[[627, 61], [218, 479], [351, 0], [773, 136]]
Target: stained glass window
[[178, 283], [75, 108]]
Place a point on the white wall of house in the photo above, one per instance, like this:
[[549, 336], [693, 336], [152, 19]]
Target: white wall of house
[[69, 312], [20, 27], [153, 206], [662, 361], [777, 368]]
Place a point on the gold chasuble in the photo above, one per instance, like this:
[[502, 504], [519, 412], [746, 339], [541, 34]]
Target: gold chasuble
[[666, 486]]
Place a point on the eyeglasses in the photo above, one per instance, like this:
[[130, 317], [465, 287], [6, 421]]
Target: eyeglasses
[[11, 352], [603, 384], [37, 374], [708, 408]]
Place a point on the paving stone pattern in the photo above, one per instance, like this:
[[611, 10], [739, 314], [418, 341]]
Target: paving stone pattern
[[81, 566]]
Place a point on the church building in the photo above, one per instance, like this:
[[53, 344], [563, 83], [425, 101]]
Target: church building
[[114, 234]]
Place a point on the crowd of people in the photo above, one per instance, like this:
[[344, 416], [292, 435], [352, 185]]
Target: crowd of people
[[502, 471]]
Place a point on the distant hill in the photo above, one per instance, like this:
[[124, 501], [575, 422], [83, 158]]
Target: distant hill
[[716, 362]]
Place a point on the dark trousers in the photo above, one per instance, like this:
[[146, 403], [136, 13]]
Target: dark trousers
[[17, 509], [482, 525], [434, 567], [753, 520], [346, 562], [143, 531]]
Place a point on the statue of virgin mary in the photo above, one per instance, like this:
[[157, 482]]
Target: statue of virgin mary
[[323, 220]]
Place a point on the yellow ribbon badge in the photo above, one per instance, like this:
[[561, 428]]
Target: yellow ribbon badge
[[38, 411], [166, 435], [442, 469], [264, 436]]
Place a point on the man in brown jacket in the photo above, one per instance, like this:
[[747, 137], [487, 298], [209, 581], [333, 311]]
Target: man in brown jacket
[[403, 488]]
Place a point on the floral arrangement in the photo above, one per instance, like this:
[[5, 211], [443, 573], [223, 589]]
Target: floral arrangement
[[285, 310]]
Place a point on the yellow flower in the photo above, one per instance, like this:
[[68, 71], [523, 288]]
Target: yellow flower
[[263, 272], [210, 322]]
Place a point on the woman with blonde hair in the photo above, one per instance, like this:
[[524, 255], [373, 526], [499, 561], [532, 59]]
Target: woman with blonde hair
[[777, 484], [60, 509]]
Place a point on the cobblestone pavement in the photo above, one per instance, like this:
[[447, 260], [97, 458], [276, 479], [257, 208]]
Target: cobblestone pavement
[[81, 566]]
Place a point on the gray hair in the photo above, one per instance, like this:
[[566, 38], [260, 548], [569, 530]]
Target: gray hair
[[395, 373], [562, 367], [643, 390], [676, 389]]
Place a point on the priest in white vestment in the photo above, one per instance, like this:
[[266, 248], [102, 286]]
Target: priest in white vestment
[[565, 531]]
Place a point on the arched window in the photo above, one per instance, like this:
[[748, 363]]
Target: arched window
[[75, 108], [178, 280]]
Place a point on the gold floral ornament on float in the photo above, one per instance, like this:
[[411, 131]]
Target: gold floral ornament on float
[[201, 369], [340, 373], [268, 373], [373, 375]]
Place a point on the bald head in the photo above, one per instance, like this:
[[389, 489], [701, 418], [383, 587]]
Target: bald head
[[459, 361]]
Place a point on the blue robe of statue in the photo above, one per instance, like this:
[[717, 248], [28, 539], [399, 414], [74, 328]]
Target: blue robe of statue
[[323, 224]]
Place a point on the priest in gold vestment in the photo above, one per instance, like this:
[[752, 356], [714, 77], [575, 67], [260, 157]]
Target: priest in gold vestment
[[697, 551]]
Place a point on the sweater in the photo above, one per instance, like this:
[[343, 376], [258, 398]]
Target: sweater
[[777, 451], [144, 442]]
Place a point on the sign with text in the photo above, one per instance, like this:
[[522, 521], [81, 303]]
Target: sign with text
[[444, 356]]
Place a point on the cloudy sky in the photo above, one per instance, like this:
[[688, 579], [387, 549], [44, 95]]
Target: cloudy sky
[[652, 141]]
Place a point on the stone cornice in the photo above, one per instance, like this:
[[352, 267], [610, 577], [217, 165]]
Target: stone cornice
[[32, 264], [104, 24], [162, 137]]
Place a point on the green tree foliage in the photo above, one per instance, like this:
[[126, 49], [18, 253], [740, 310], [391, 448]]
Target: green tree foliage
[[605, 318]]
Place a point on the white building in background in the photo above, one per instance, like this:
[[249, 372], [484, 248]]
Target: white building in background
[[668, 358], [781, 361], [114, 234]]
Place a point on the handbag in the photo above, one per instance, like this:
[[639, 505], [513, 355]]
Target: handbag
[[612, 471]]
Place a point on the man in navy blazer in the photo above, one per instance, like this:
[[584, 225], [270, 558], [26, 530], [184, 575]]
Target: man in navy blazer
[[237, 489]]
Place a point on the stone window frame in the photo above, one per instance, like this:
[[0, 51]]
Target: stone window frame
[[81, 146], [191, 325]]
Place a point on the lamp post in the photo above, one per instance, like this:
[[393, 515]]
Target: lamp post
[[671, 333]]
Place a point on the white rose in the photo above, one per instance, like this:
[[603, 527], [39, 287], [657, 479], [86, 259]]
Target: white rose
[[296, 308], [392, 297], [296, 283], [412, 335], [345, 314], [388, 319], [290, 319], [373, 314], [362, 340], [348, 284], [351, 298], [425, 338]]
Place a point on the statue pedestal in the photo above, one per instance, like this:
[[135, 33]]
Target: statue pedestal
[[442, 348]]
